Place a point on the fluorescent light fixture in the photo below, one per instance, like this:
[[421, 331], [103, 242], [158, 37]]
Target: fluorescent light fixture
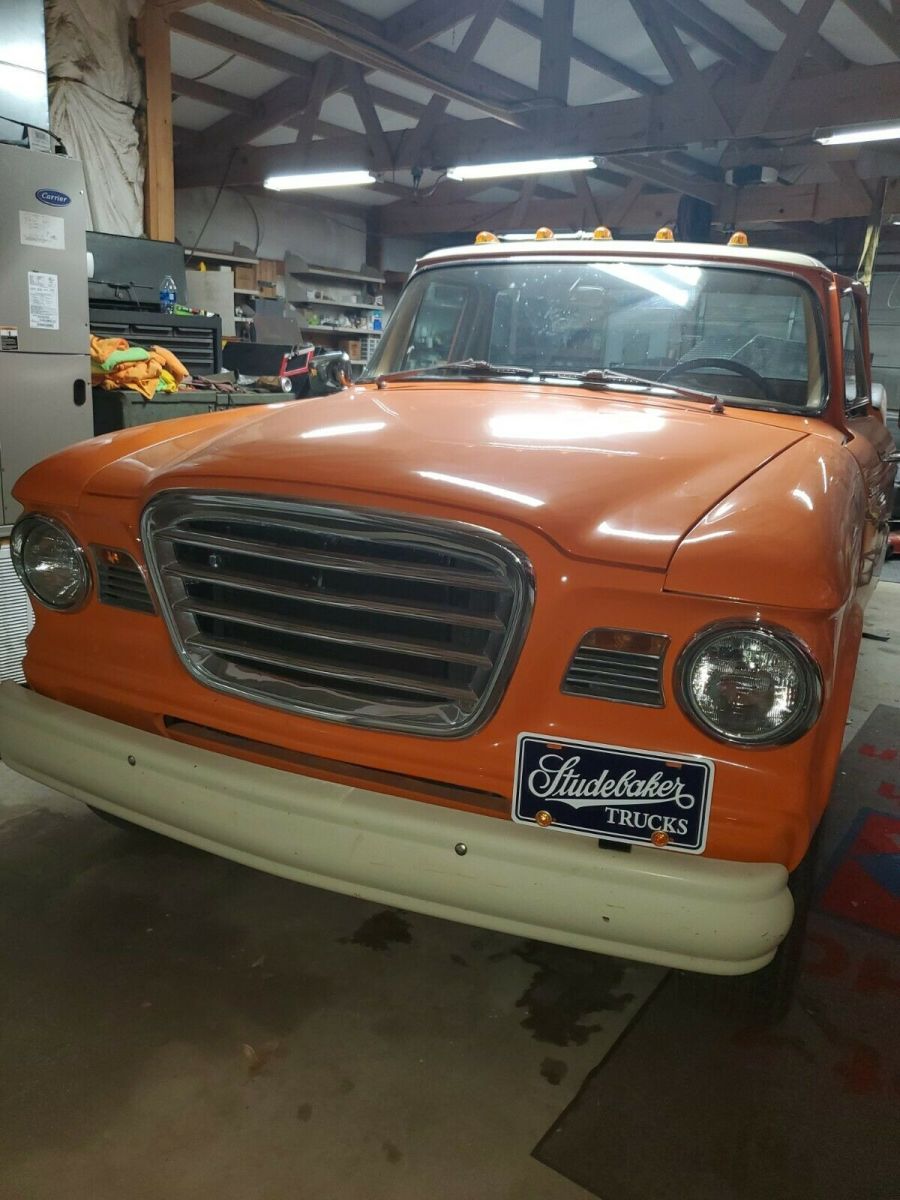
[[319, 179], [533, 166], [859, 133]]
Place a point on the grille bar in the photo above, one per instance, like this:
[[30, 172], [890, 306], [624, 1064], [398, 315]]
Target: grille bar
[[350, 615], [618, 675], [420, 611], [308, 666], [310, 558], [324, 634]]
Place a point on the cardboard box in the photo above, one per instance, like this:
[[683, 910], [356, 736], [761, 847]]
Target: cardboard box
[[245, 277]]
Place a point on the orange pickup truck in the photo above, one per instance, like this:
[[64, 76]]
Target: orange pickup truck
[[578, 567]]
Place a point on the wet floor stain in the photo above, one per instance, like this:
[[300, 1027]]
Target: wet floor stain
[[568, 986], [381, 931], [553, 1070], [391, 1152], [304, 1112]]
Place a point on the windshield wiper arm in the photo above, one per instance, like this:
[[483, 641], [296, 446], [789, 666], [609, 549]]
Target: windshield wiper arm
[[603, 376], [465, 366]]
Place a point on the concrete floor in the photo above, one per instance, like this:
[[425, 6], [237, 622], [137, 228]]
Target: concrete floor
[[174, 1025]]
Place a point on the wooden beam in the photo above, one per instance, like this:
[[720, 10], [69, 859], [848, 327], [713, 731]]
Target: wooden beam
[[686, 77], [782, 17], [159, 178], [653, 171], [469, 46], [346, 33], [525, 21], [871, 93], [645, 213], [423, 20], [883, 24], [269, 56], [324, 73], [196, 89], [717, 34], [796, 42], [362, 98], [556, 50]]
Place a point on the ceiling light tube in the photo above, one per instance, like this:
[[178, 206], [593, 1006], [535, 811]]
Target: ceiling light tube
[[319, 179], [534, 166], [858, 133]]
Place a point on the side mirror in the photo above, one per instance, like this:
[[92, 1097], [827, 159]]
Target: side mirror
[[878, 398]]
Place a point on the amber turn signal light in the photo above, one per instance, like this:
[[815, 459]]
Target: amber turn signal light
[[664, 235], [738, 238], [602, 234], [485, 236], [543, 234]]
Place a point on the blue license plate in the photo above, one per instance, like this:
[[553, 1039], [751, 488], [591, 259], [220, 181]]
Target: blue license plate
[[612, 792]]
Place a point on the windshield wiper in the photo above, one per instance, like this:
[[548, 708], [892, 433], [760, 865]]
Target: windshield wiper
[[465, 366], [603, 377]]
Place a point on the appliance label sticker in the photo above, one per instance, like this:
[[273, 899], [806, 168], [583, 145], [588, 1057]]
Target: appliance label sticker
[[9, 337], [40, 229], [43, 300]]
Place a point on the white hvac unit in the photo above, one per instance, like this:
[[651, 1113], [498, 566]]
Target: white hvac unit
[[16, 619]]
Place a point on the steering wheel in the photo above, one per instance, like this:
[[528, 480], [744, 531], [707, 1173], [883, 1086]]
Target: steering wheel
[[720, 364]]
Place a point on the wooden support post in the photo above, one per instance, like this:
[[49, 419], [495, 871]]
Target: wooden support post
[[159, 179]]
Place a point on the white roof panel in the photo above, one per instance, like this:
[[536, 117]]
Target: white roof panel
[[195, 114], [257, 31]]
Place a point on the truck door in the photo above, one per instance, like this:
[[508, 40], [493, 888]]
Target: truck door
[[870, 441]]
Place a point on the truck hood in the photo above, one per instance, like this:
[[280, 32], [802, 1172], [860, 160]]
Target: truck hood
[[606, 477]]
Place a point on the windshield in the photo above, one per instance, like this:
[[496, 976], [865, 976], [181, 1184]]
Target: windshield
[[752, 336]]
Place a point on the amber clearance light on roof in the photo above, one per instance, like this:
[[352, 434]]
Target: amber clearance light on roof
[[533, 166], [319, 179]]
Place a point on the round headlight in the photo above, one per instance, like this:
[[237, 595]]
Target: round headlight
[[753, 685], [50, 562]]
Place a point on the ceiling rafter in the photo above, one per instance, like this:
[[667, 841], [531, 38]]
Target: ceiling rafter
[[882, 23], [423, 20], [621, 126], [778, 14], [717, 34], [326, 70], [657, 22], [362, 98], [279, 60], [797, 39], [556, 50], [338, 29], [653, 171], [478, 30], [526, 22], [196, 89]]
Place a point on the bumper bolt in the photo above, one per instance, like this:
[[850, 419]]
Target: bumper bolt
[[461, 848], [131, 760], [659, 838], [543, 818]]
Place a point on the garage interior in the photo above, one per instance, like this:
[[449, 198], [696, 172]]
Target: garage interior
[[174, 1024]]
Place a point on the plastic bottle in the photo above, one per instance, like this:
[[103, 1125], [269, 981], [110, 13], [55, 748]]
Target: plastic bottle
[[168, 295]]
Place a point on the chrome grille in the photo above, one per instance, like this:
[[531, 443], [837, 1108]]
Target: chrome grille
[[615, 675], [346, 614]]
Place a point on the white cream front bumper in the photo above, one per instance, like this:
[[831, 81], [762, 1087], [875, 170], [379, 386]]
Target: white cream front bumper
[[651, 905]]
